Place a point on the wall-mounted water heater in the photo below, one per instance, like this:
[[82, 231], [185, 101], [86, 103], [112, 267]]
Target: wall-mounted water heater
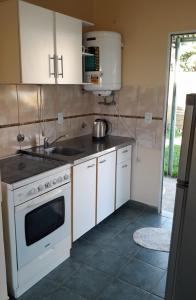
[[102, 62]]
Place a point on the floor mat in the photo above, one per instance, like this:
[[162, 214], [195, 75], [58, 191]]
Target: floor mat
[[153, 238]]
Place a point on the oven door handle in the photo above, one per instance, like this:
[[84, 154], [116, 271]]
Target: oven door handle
[[36, 202]]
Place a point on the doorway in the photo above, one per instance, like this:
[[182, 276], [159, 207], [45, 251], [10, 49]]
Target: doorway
[[182, 81]]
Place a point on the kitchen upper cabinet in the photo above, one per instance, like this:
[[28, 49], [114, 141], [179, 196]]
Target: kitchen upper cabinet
[[39, 46], [123, 176], [84, 197], [106, 175], [68, 49], [36, 44]]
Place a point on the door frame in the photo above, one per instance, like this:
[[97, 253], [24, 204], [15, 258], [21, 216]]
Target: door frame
[[167, 80]]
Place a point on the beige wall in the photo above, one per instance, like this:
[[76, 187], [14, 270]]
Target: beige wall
[[145, 26], [82, 9]]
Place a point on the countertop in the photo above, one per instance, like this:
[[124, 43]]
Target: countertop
[[20, 167], [90, 148]]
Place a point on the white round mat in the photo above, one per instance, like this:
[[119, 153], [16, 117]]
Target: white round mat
[[153, 238]]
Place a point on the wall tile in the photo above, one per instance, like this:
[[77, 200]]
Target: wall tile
[[8, 105], [28, 103], [8, 141]]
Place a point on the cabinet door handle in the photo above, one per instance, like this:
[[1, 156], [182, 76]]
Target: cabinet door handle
[[102, 161], [124, 166], [90, 166], [125, 151], [51, 58], [61, 60]]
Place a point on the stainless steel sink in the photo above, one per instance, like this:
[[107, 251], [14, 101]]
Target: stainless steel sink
[[65, 151]]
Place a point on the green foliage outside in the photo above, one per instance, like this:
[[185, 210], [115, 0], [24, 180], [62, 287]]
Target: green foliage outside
[[176, 160], [176, 155]]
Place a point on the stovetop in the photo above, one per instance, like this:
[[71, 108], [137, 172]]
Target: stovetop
[[20, 167]]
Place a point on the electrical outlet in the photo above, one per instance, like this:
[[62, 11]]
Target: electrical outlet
[[60, 118], [148, 118]]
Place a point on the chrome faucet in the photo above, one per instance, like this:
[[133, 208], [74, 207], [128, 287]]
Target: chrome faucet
[[47, 144]]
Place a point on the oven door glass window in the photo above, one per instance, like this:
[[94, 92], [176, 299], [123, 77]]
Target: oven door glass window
[[44, 220]]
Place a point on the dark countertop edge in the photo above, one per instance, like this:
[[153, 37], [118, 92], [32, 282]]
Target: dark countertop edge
[[128, 141]]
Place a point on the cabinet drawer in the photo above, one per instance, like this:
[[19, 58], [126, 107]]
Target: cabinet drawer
[[124, 154]]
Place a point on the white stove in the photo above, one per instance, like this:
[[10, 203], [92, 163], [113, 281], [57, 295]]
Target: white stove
[[37, 219]]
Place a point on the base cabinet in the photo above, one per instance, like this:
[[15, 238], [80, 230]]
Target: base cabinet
[[84, 197], [100, 186], [106, 174], [123, 183]]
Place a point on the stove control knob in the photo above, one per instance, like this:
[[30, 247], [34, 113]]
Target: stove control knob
[[40, 188], [59, 179], [47, 185], [66, 177], [32, 192], [54, 181]]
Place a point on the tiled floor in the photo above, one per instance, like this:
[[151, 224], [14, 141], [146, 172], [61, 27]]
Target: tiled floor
[[106, 264]]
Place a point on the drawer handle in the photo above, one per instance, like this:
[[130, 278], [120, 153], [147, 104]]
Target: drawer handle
[[102, 161], [125, 151], [124, 166], [51, 58], [90, 166], [61, 60]]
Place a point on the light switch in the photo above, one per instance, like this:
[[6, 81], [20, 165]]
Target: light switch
[[60, 118], [148, 118]]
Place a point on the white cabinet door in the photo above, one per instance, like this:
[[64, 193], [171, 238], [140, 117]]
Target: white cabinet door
[[84, 197], [106, 185], [36, 44], [68, 49], [123, 183]]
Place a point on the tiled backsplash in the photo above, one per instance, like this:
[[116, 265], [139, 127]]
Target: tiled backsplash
[[22, 108]]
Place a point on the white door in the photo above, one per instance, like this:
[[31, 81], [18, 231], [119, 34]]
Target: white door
[[106, 185], [68, 49], [123, 183], [84, 197], [36, 44]]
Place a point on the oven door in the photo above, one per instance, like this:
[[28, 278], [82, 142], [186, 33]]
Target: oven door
[[41, 224]]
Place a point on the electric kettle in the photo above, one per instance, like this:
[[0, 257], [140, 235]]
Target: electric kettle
[[100, 128]]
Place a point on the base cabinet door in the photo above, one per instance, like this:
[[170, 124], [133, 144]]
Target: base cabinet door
[[84, 197], [123, 183], [106, 185]]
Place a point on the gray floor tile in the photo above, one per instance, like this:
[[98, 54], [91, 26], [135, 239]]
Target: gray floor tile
[[88, 282], [108, 261], [148, 218], [63, 294], [159, 289], [156, 258], [119, 290], [152, 297], [124, 245], [99, 237], [82, 250], [63, 272], [42, 289], [114, 225], [141, 274]]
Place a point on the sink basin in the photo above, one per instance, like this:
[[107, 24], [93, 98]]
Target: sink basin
[[66, 151]]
